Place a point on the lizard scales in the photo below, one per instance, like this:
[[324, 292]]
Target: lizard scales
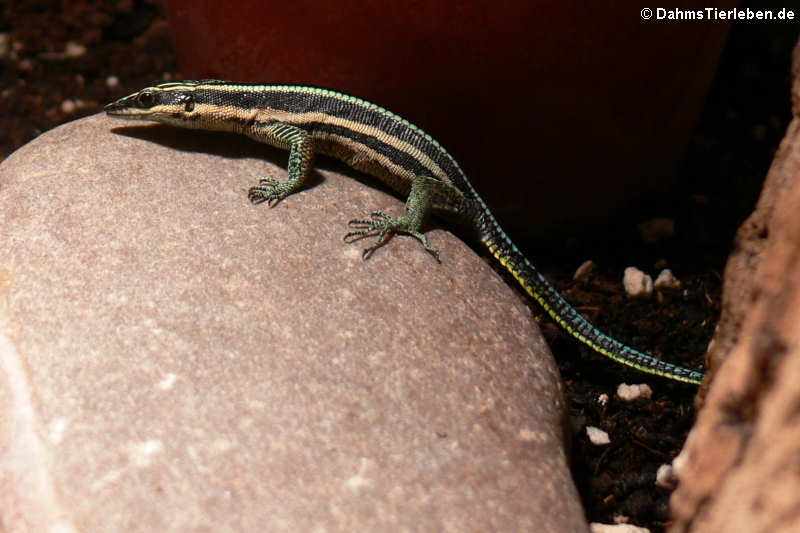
[[309, 120]]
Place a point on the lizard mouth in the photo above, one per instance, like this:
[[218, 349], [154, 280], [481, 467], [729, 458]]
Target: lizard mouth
[[122, 108], [114, 108]]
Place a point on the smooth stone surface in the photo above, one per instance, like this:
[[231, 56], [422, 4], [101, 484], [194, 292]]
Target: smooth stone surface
[[173, 358]]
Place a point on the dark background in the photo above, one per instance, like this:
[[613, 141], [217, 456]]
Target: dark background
[[126, 45]]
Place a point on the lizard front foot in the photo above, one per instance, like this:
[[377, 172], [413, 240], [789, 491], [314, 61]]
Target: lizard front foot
[[269, 190], [384, 226]]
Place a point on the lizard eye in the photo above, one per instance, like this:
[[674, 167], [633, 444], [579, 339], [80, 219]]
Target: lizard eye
[[146, 99]]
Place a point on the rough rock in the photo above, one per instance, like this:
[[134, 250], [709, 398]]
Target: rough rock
[[739, 469], [739, 283], [173, 358]]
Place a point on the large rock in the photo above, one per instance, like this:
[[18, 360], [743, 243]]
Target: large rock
[[173, 358], [740, 470]]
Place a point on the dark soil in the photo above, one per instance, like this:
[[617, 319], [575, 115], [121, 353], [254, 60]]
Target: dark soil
[[744, 119]]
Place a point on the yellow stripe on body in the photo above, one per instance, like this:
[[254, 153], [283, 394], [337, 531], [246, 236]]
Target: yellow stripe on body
[[287, 117], [524, 282]]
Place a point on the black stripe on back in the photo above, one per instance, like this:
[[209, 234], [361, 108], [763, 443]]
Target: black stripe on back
[[312, 100]]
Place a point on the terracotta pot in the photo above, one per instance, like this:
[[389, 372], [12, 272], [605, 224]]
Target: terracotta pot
[[561, 113]]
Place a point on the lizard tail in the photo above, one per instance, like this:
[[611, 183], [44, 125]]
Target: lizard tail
[[536, 285]]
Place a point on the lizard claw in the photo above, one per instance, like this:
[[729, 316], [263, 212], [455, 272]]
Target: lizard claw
[[384, 226], [268, 190]]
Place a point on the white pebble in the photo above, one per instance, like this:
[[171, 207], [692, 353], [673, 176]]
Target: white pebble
[[73, 49], [667, 280], [637, 283], [628, 393], [602, 399], [665, 477], [70, 106], [112, 81], [596, 527], [584, 270], [597, 436]]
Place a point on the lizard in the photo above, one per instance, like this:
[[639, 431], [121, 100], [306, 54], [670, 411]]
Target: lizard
[[308, 121]]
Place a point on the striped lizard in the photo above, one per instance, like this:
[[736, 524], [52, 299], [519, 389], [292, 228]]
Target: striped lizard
[[307, 121]]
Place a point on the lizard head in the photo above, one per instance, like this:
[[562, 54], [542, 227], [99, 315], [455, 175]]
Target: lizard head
[[172, 103]]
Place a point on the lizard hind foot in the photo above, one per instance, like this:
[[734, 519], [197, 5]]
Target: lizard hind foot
[[383, 226]]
